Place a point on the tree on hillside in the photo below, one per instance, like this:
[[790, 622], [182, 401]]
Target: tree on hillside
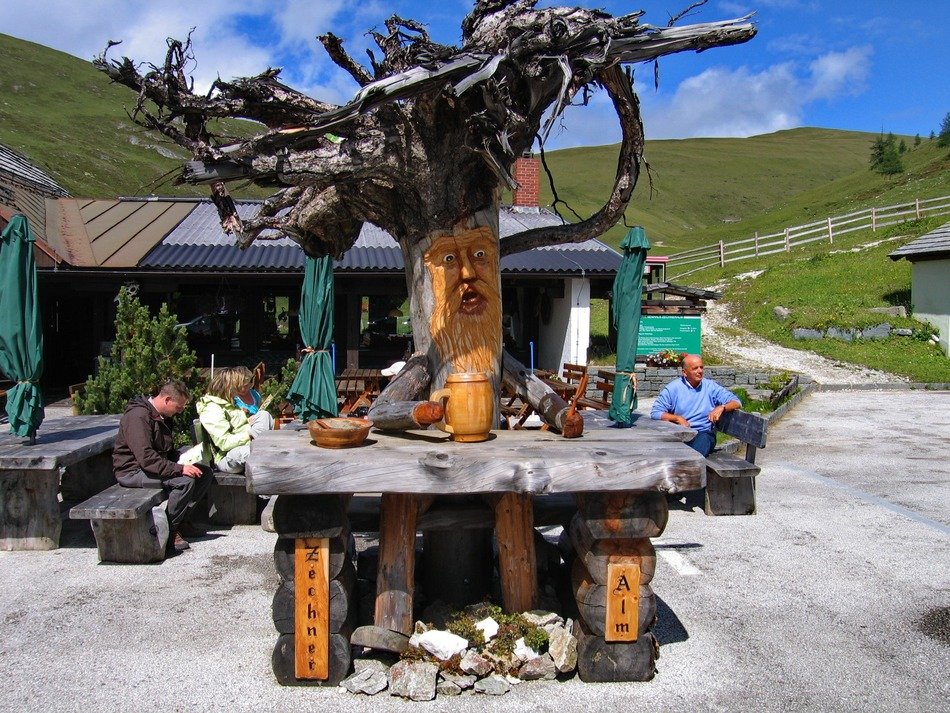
[[885, 158], [943, 138], [916, 140], [423, 150]]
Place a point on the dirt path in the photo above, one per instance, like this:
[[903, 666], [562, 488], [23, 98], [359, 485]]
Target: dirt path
[[729, 342]]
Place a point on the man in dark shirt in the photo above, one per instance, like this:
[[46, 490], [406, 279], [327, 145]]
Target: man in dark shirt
[[144, 456]]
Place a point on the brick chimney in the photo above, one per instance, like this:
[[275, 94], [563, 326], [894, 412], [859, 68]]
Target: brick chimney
[[527, 172]]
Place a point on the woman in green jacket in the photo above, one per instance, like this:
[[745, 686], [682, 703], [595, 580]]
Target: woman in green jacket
[[226, 424]]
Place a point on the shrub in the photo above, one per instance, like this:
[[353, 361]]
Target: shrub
[[146, 350]]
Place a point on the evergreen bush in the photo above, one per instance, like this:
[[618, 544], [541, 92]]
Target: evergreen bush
[[146, 351]]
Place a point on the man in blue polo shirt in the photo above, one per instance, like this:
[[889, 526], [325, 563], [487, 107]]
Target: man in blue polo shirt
[[694, 402]]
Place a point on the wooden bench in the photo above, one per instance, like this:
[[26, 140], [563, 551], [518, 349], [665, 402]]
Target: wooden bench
[[730, 478], [128, 524], [229, 503]]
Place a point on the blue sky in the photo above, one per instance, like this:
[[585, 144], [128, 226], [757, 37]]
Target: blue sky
[[862, 65]]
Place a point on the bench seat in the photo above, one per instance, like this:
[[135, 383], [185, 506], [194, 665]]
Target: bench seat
[[229, 503], [128, 523], [729, 465]]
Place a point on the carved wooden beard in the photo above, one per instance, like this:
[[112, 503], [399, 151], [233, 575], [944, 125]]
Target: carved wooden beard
[[466, 288]]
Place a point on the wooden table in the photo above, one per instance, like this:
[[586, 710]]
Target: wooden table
[[618, 478], [357, 387], [30, 476]]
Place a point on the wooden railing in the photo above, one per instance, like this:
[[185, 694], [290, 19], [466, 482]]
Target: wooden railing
[[827, 229]]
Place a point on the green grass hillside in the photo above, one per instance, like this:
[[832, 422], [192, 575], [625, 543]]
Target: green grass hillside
[[68, 119], [705, 190]]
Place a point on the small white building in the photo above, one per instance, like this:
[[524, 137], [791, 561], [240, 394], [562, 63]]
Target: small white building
[[930, 280]]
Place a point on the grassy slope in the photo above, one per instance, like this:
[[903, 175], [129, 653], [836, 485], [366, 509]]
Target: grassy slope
[[69, 120], [711, 189]]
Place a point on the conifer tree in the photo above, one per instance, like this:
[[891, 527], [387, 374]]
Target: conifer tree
[[943, 138], [146, 350]]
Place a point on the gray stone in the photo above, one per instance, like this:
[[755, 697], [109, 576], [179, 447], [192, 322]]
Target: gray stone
[[539, 668], [447, 688], [463, 682], [367, 681], [414, 680], [370, 663], [896, 311], [803, 333], [476, 664], [562, 646], [903, 332], [781, 313], [881, 331], [493, 685], [524, 652]]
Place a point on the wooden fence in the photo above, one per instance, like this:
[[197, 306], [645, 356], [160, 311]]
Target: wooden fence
[[827, 229]]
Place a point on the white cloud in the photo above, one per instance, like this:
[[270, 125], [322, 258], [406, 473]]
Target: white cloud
[[837, 73]]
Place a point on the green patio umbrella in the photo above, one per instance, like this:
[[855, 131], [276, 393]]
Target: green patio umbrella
[[21, 330], [627, 298], [313, 392]]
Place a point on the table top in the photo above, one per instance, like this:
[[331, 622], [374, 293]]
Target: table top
[[651, 455], [59, 442]]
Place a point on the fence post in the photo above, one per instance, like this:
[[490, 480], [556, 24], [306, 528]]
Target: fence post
[[873, 219], [917, 207], [831, 235], [788, 247], [756, 243], [722, 254]]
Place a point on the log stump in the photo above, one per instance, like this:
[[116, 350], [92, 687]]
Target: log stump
[[314, 607], [610, 576]]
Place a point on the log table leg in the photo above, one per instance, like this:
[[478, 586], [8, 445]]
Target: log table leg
[[395, 579], [611, 575], [29, 510], [517, 565], [314, 607]]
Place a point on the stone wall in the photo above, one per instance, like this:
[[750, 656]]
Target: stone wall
[[651, 379]]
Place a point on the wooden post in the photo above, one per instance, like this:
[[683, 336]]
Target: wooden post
[[873, 219], [917, 207], [397, 562], [722, 254], [756, 243], [312, 608], [514, 530], [788, 245], [831, 235]]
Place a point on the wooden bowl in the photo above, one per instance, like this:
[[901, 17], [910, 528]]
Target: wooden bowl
[[338, 432]]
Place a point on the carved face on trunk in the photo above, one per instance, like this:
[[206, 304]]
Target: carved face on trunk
[[466, 287]]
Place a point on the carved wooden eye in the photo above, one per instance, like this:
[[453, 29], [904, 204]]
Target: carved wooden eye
[[450, 258], [480, 254]]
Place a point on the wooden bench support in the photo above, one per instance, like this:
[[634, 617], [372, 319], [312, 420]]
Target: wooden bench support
[[517, 566], [29, 510], [730, 479], [128, 524], [229, 503]]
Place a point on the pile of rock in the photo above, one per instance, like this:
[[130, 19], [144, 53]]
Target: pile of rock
[[439, 662]]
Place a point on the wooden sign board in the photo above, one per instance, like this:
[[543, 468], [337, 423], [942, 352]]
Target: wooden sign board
[[623, 602], [312, 608]]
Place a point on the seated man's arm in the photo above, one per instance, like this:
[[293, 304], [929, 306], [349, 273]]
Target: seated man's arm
[[724, 400], [139, 439], [664, 409]]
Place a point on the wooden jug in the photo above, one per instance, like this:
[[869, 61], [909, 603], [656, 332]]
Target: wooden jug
[[469, 406]]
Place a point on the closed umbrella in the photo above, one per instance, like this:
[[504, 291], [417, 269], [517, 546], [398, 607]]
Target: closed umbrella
[[21, 331], [627, 299], [313, 392]]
